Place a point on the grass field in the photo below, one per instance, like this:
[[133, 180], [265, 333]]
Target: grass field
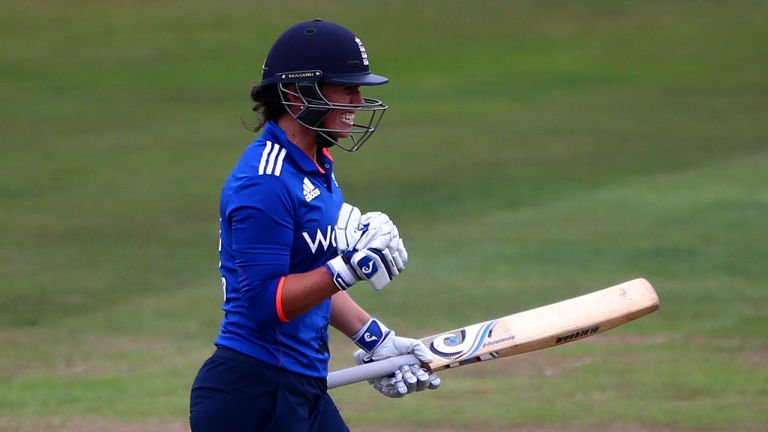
[[533, 152]]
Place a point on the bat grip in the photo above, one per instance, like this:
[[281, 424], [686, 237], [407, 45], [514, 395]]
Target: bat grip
[[369, 371]]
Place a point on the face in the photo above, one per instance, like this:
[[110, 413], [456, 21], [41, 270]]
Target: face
[[341, 119]]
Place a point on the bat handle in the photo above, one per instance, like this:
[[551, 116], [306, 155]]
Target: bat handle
[[369, 371]]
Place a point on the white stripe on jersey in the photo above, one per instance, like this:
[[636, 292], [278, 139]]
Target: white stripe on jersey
[[272, 155], [264, 157], [270, 162], [279, 167]]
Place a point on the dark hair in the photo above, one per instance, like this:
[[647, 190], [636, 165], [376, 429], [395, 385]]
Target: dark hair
[[268, 103]]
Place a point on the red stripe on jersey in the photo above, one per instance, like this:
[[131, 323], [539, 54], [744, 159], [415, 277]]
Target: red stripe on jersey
[[327, 154]]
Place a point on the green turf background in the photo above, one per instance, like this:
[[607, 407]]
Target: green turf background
[[533, 151]]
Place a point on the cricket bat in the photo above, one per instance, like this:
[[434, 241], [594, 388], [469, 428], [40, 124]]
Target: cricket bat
[[531, 330]]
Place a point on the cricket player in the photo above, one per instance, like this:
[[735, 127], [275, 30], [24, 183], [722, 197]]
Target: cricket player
[[290, 248]]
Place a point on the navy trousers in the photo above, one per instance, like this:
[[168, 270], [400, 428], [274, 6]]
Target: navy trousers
[[234, 392]]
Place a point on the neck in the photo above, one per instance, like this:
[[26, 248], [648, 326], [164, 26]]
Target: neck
[[303, 137]]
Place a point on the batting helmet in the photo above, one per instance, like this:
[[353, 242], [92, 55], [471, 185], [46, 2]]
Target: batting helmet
[[321, 52]]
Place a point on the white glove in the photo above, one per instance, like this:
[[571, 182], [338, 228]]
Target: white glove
[[377, 343], [348, 230], [370, 248], [375, 266], [355, 231], [396, 248]]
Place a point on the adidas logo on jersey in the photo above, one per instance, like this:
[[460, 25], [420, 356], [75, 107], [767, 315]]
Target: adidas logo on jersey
[[310, 191]]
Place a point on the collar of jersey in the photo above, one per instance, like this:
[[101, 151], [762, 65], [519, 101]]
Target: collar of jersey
[[274, 133]]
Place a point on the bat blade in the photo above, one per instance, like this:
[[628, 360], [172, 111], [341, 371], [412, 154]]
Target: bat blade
[[532, 330]]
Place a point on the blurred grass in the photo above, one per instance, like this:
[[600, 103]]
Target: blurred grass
[[530, 154]]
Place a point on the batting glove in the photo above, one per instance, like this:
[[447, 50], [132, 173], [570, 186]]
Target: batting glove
[[376, 266], [355, 231], [378, 342], [396, 249]]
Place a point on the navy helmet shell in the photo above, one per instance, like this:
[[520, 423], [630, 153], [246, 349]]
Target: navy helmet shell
[[319, 51]]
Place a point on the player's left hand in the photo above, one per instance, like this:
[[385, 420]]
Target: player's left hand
[[379, 342], [406, 380]]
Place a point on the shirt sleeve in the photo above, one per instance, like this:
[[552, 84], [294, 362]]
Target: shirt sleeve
[[262, 224]]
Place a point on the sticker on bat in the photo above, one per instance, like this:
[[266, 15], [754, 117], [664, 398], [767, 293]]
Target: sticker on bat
[[461, 343]]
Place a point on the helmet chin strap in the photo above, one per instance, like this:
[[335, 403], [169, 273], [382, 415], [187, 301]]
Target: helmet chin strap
[[312, 114], [325, 141]]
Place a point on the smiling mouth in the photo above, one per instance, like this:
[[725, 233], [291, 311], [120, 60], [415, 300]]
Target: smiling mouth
[[348, 118]]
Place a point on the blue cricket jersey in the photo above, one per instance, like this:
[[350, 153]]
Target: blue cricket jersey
[[278, 209]]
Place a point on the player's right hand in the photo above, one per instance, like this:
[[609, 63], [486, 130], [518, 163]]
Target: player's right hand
[[357, 231], [370, 248], [376, 266]]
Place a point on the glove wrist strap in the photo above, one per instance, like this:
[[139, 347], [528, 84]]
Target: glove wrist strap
[[342, 274], [371, 335]]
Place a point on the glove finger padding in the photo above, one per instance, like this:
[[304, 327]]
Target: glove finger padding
[[389, 262], [376, 231], [406, 380], [417, 378], [432, 381], [421, 375], [356, 231], [409, 377], [348, 230], [399, 256], [391, 385]]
